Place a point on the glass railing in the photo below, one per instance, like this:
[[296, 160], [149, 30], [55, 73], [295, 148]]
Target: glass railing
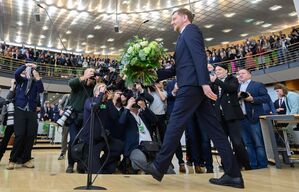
[[252, 62], [264, 60]]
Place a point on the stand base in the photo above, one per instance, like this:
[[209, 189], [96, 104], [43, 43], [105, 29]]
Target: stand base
[[90, 188]]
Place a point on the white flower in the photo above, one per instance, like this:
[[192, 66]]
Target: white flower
[[144, 43]]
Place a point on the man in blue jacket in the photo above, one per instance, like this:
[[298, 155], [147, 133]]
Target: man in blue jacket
[[28, 87]]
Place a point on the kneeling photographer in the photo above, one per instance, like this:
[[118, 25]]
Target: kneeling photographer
[[103, 118], [139, 122], [81, 89]]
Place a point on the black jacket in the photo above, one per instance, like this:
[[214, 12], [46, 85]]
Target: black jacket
[[228, 99]]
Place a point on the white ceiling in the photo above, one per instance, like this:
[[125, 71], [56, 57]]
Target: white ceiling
[[87, 26]]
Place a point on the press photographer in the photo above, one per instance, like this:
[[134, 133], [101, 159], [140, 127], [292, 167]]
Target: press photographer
[[105, 115], [25, 116], [81, 89]]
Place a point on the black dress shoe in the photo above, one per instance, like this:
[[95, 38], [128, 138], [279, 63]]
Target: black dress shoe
[[226, 180], [155, 172]]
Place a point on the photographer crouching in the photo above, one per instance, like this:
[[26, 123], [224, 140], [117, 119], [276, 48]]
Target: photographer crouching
[[104, 116], [25, 116], [81, 89]]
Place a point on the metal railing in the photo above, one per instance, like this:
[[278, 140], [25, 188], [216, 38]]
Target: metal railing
[[253, 62], [264, 60]]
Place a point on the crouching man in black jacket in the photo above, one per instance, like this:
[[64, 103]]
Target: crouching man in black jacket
[[105, 114]]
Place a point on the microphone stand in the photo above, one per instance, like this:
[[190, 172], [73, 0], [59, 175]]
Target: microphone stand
[[89, 186], [140, 26]]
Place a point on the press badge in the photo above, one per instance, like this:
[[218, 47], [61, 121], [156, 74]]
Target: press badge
[[103, 106], [141, 128]]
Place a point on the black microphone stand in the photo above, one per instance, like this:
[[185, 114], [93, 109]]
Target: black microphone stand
[[89, 186], [140, 26]]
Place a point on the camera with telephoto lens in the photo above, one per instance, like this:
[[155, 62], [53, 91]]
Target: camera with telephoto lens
[[10, 114], [65, 116]]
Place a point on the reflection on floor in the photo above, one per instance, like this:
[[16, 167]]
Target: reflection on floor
[[49, 175]]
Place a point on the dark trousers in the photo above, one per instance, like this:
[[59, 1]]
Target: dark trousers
[[7, 134], [25, 132], [74, 130], [115, 147], [233, 129], [191, 100], [161, 125]]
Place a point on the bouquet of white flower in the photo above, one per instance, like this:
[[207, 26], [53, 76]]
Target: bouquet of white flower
[[140, 61]]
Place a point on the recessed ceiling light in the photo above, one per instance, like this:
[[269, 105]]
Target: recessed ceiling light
[[97, 27], [69, 49], [20, 23], [83, 43], [49, 45], [244, 35], [18, 39], [103, 47], [225, 42], [125, 2], [255, 1], [259, 22], [267, 25], [90, 36], [275, 7], [226, 30], [209, 26], [39, 44], [111, 48], [152, 27], [159, 39], [63, 40], [229, 14], [68, 32], [42, 36], [292, 14], [249, 20], [209, 39], [45, 28], [110, 40]]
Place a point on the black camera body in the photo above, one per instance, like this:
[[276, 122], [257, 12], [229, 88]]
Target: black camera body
[[244, 95]]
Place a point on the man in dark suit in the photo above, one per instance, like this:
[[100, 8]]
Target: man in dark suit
[[229, 110], [280, 105], [252, 96], [193, 82]]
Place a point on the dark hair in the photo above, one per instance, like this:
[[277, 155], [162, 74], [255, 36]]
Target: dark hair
[[222, 65], [281, 86], [184, 11]]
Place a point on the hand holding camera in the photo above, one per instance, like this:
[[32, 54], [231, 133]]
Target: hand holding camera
[[246, 96], [131, 102]]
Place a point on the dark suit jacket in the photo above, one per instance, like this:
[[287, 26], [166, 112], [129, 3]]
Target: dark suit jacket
[[190, 58], [228, 99], [129, 124], [260, 95], [283, 105]]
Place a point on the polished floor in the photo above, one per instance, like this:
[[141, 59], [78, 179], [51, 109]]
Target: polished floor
[[49, 175]]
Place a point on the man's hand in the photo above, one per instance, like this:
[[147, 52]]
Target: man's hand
[[139, 87], [208, 92], [213, 78], [32, 65], [131, 102], [36, 75], [102, 88], [88, 73], [249, 98], [110, 95], [141, 104]]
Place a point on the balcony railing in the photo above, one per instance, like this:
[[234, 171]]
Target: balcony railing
[[253, 62], [264, 60]]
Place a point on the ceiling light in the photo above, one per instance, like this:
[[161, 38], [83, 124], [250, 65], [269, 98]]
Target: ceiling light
[[125, 2], [259, 22], [159, 39], [20, 23], [49, 45], [69, 49], [42, 36], [226, 30], [45, 28], [68, 32], [266, 25], [225, 42], [63, 40], [97, 27], [249, 20], [78, 50], [83, 43], [90, 36], [110, 40], [209, 26], [97, 53], [244, 34], [88, 52], [229, 14], [103, 47], [209, 39], [255, 1], [111, 48], [152, 27], [275, 7], [39, 44], [18, 39], [292, 14]]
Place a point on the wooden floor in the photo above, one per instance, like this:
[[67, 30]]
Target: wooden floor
[[49, 175]]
